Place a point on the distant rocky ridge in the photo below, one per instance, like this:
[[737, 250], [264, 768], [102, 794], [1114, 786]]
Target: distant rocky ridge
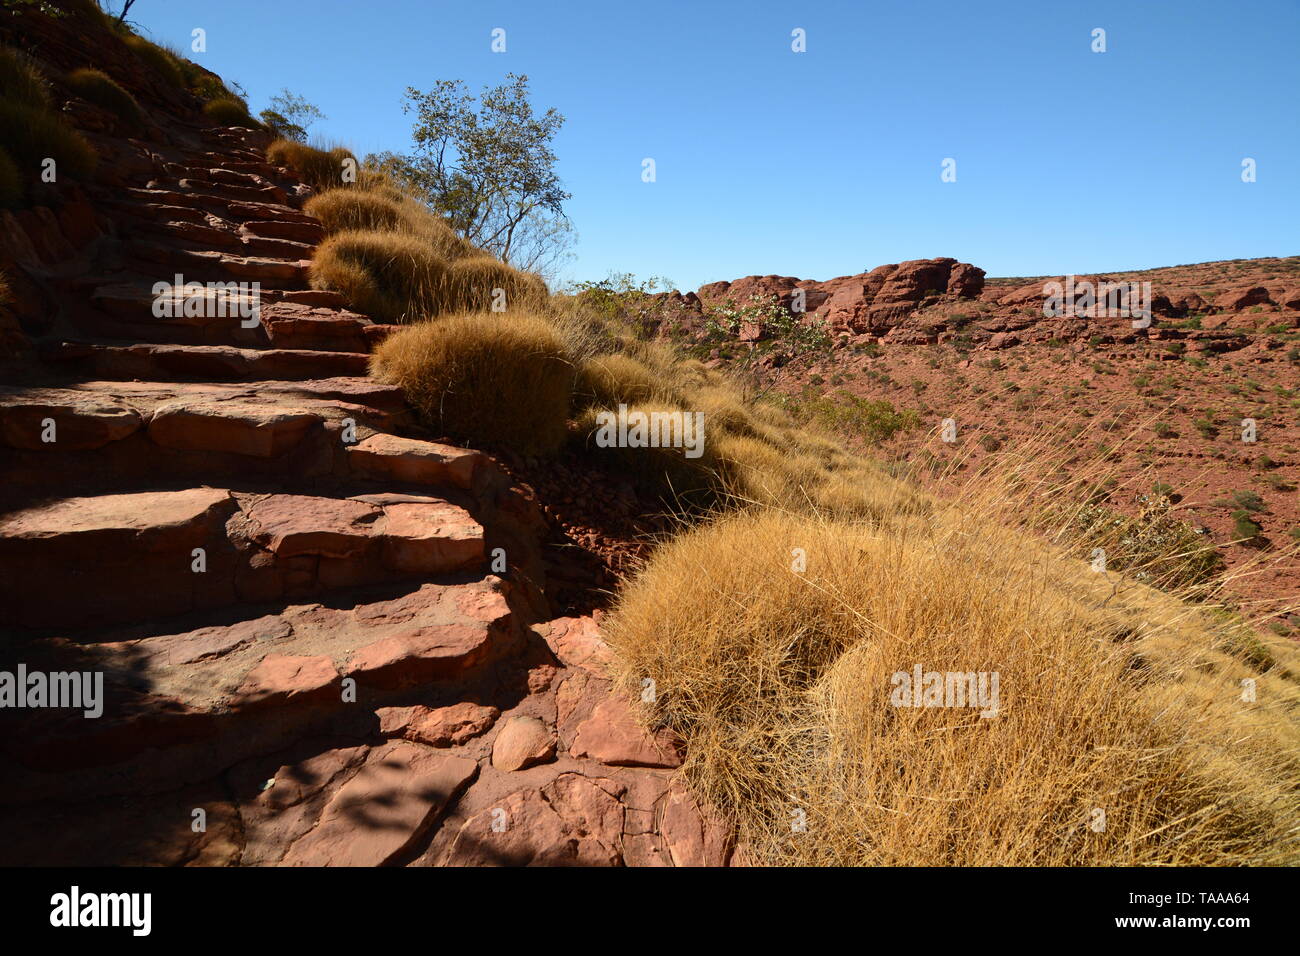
[[932, 301]]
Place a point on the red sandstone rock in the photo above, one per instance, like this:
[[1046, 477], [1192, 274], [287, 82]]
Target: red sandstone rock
[[613, 736], [439, 726], [283, 677], [522, 742], [380, 812]]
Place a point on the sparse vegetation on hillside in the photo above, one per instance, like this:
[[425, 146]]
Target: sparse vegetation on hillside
[[96, 86], [31, 132]]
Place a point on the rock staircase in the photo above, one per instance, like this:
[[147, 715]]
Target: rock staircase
[[324, 636]]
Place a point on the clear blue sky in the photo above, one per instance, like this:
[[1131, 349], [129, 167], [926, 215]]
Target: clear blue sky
[[827, 162]]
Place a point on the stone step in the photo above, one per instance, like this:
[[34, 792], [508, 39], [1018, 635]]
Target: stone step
[[229, 238], [105, 433], [216, 174], [111, 559], [231, 209], [206, 187], [257, 167], [199, 363], [302, 232], [212, 264], [185, 702], [215, 315]]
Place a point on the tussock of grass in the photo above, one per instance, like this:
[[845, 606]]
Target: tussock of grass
[[96, 86], [374, 203], [484, 377], [475, 282], [21, 81], [161, 61], [390, 276], [30, 134], [229, 111], [608, 380], [340, 210], [780, 681], [321, 169]]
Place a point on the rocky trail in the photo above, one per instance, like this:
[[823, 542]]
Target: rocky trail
[[325, 638]]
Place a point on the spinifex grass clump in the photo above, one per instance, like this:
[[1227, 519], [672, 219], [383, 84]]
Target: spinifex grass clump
[[390, 276], [21, 81], [483, 283], [96, 86], [161, 61], [229, 111], [493, 378], [31, 132], [319, 168], [1118, 734]]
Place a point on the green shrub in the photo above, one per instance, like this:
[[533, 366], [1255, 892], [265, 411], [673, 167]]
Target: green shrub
[[96, 86], [485, 378]]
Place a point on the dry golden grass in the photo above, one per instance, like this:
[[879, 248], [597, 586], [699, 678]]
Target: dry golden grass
[[1122, 699], [96, 86], [161, 61], [606, 380], [342, 209], [319, 168], [478, 283], [229, 111], [484, 377], [390, 276]]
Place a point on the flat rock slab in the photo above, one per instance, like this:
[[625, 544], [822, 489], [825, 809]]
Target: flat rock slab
[[261, 431], [382, 810], [145, 520], [289, 525], [63, 419], [384, 456]]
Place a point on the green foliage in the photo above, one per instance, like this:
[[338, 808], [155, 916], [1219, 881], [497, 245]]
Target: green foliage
[[1155, 545], [487, 166], [1246, 528], [290, 115], [852, 415]]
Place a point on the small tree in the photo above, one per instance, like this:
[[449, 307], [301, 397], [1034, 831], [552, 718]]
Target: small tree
[[290, 115], [486, 164]]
